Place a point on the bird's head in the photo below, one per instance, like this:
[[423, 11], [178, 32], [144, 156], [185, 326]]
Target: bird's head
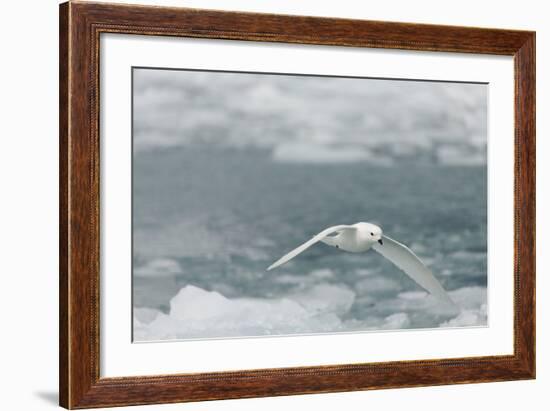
[[373, 232]]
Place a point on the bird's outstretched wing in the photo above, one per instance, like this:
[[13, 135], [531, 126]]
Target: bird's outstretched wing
[[403, 257], [308, 244]]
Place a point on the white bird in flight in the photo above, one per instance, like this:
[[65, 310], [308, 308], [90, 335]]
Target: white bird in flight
[[360, 237]]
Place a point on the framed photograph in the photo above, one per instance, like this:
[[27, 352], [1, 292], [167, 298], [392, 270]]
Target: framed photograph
[[259, 205]]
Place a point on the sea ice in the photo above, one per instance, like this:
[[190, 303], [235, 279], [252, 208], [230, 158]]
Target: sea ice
[[197, 313]]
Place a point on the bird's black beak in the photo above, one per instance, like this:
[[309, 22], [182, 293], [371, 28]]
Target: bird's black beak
[[380, 242]]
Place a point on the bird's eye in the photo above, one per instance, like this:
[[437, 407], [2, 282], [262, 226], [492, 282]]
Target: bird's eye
[[372, 234]]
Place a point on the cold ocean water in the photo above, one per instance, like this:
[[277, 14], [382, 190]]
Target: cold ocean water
[[208, 221]]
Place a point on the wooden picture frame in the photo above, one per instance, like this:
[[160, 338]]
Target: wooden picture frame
[[80, 27]]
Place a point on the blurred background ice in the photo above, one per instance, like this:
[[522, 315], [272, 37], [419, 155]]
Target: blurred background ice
[[232, 170]]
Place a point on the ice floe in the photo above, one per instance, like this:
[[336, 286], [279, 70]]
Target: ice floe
[[197, 313], [322, 308]]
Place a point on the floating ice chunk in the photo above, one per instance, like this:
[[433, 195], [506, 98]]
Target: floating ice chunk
[[454, 155], [145, 315], [318, 153], [158, 267], [423, 308], [412, 295], [322, 273], [197, 313], [423, 304], [473, 307], [142, 318], [396, 321], [193, 303], [469, 297], [364, 272], [308, 152], [468, 318], [446, 272]]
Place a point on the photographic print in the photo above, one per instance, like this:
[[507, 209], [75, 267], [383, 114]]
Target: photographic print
[[314, 188], [280, 204]]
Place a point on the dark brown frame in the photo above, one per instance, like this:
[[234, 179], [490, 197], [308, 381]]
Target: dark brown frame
[[81, 24]]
